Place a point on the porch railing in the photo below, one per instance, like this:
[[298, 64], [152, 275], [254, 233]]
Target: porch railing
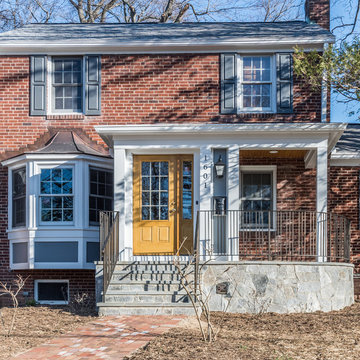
[[109, 245], [272, 235]]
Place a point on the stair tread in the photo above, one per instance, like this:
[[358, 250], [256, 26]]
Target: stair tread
[[145, 282], [121, 292], [152, 304]]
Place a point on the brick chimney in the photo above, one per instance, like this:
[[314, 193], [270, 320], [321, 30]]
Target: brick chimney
[[318, 11]]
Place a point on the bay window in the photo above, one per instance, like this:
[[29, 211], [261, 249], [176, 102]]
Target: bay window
[[56, 195], [101, 193], [19, 197]]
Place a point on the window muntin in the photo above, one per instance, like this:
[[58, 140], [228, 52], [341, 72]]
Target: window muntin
[[257, 197], [101, 193], [19, 197], [256, 83], [67, 86], [155, 190], [56, 195]]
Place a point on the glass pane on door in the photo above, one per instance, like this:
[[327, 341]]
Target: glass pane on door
[[154, 190], [187, 190]]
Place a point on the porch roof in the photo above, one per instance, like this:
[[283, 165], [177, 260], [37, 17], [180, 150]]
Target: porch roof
[[332, 131]]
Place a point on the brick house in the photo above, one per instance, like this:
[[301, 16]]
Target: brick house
[[177, 131]]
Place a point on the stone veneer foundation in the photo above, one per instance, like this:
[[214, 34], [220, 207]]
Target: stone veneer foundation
[[281, 287]]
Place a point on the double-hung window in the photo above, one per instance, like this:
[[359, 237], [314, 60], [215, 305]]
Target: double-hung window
[[19, 197], [256, 83], [257, 198], [101, 193], [67, 87], [56, 195]]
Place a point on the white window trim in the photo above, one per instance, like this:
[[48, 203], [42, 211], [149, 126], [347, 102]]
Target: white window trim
[[262, 169], [50, 302], [50, 100], [240, 108], [74, 195]]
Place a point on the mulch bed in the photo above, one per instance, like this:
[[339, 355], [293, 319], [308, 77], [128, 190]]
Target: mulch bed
[[34, 326], [315, 336]]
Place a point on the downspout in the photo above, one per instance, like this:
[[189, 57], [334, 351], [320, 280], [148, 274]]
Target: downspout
[[324, 94]]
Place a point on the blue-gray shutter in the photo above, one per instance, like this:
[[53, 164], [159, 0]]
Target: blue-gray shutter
[[38, 85], [228, 84], [284, 83], [93, 85]]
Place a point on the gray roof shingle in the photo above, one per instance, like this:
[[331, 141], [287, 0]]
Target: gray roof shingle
[[167, 33], [350, 139]]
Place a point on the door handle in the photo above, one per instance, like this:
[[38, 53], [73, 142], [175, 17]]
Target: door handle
[[172, 211]]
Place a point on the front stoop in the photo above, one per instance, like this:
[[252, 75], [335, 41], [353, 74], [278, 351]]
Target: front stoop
[[146, 288]]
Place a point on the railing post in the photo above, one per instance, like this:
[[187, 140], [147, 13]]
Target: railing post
[[269, 235]]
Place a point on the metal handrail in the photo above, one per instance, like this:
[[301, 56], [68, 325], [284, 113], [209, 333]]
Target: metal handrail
[[295, 235], [109, 245]]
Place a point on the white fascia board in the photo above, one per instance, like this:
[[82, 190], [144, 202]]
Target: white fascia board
[[8, 48], [217, 128], [55, 157], [345, 158], [345, 162]]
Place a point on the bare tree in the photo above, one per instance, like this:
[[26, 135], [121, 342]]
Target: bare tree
[[134, 11], [19, 283], [347, 25], [17, 13]]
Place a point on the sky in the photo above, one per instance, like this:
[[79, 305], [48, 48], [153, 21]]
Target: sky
[[339, 111]]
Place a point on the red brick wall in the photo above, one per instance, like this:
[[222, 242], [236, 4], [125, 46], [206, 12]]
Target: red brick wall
[[136, 89], [344, 199], [80, 282], [296, 186]]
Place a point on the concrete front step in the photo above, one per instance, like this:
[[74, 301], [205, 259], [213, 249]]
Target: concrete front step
[[146, 297], [147, 286], [146, 309], [145, 275]]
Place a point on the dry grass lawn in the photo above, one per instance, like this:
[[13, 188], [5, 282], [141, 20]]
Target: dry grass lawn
[[34, 326], [316, 336]]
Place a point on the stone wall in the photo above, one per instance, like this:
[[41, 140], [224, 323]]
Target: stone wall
[[281, 287]]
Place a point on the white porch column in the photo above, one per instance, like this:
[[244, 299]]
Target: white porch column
[[321, 199], [206, 164], [233, 199], [120, 196]]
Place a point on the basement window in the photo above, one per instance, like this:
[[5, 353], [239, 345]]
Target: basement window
[[53, 292]]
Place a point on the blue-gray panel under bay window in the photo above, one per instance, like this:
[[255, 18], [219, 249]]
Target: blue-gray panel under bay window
[[19, 253], [59, 251]]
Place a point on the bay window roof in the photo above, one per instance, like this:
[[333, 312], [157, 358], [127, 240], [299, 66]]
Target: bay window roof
[[68, 142]]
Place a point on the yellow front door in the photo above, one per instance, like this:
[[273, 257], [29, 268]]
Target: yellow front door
[[163, 204]]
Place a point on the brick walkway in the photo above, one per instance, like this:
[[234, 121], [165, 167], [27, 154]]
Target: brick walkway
[[109, 337]]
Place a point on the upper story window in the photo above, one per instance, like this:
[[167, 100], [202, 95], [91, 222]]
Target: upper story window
[[67, 87], [56, 195], [256, 83], [256, 79], [101, 193], [19, 197]]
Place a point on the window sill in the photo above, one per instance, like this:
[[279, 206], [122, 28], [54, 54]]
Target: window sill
[[65, 117]]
